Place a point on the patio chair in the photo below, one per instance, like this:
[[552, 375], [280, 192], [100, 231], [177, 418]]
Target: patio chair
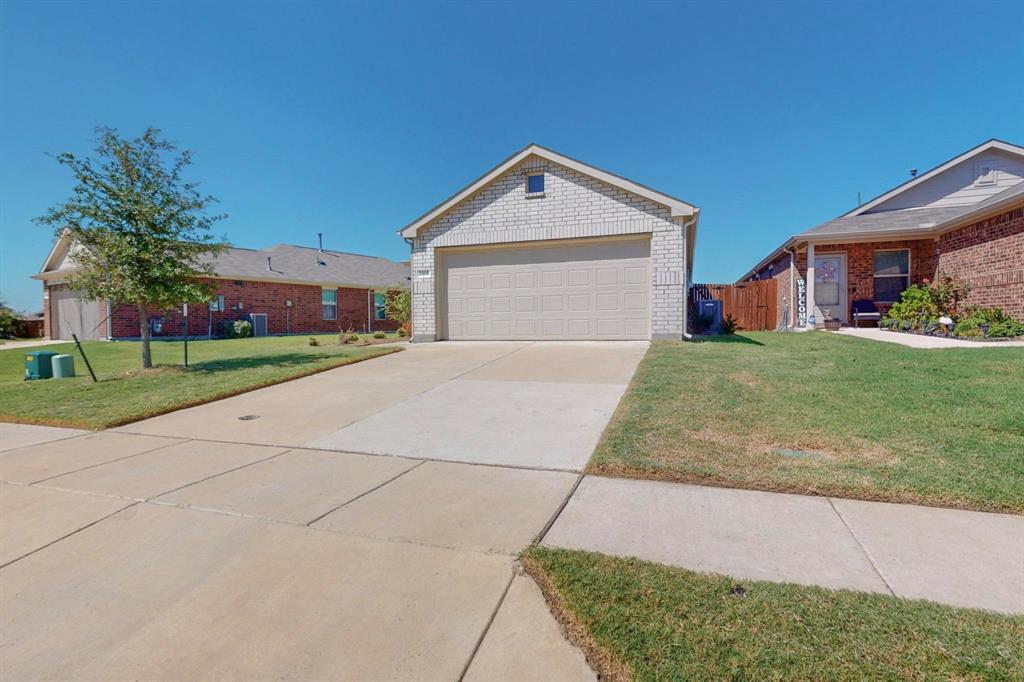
[[865, 310]]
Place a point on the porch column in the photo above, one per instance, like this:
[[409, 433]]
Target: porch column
[[811, 308]]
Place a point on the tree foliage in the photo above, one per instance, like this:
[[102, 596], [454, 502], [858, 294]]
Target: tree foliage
[[139, 230], [398, 304]]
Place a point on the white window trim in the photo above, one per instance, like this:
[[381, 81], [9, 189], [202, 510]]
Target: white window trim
[[875, 276], [535, 195], [323, 305]]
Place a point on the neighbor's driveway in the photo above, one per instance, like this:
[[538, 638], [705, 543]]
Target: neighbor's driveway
[[530, 404], [197, 545]]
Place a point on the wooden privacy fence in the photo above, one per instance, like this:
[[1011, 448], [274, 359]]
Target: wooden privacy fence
[[753, 304]]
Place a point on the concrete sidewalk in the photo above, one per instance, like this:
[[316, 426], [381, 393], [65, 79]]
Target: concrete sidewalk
[[126, 556], [962, 558], [921, 341]]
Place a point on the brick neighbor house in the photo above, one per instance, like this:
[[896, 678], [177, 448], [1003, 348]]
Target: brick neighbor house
[[283, 289], [963, 218]]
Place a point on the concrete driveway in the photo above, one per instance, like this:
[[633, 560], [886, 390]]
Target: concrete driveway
[[200, 546], [527, 404]]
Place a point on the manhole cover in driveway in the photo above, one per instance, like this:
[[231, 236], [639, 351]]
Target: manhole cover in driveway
[[248, 417]]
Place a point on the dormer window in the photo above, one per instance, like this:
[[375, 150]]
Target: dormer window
[[534, 185]]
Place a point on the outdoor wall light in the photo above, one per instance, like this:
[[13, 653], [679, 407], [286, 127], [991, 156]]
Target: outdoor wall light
[[288, 303]]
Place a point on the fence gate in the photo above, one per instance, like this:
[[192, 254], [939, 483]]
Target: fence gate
[[751, 303]]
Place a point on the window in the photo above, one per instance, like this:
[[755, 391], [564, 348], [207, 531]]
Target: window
[[329, 304], [217, 304], [535, 184], [380, 308], [892, 274]]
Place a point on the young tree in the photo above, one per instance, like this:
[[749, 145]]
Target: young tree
[[138, 228], [398, 304]]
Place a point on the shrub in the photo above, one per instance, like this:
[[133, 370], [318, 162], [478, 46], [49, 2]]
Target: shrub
[[351, 337], [401, 331], [920, 305], [379, 335], [916, 305], [1000, 325], [236, 329], [8, 322], [729, 325], [947, 294], [398, 304], [313, 341]]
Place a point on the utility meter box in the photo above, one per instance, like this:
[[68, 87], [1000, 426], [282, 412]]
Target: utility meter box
[[38, 364]]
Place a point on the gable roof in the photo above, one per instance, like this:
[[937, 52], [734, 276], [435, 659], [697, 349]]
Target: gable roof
[[288, 264], [909, 223], [909, 220], [927, 175], [678, 207], [912, 223]]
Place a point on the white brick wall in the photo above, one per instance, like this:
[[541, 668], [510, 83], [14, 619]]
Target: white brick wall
[[573, 205]]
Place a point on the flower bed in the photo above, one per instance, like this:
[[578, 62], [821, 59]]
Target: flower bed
[[934, 310]]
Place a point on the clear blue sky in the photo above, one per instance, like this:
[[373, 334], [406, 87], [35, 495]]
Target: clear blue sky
[[354, 119]]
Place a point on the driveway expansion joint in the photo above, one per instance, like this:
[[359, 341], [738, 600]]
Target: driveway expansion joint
[[67, 535], [487, 626], [178, 441], [367, 492]]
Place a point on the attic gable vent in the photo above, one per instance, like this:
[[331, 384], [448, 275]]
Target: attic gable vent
[[986, 173]]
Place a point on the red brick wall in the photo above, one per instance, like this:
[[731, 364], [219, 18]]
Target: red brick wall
[[304, 317], [988, 255], [786, 286]]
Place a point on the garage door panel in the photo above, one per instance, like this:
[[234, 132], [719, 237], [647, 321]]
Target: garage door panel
[[579, 278], [586, 290], [526, 280], [551, 304], [579, 302], [552, 328], [634, 301], [579, 328], [551, 279]]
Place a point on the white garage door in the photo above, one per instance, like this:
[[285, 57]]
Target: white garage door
[[589, 290], [70, 314]]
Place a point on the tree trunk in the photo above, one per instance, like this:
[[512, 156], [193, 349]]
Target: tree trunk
[[147, 358]]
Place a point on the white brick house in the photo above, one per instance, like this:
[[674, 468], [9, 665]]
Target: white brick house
[[546, 247]]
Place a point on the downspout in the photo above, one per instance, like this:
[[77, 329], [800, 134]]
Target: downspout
[[369, 307], [686, 278], [792, 287]]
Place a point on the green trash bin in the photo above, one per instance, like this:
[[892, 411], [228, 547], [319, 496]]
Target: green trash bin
[[63, 366], [38, 364]]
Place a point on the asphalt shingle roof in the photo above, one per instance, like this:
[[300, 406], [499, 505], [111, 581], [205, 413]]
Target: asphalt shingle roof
[[906, 220], [302, 264]]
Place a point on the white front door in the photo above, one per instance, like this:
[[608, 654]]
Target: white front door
[[830, 287]]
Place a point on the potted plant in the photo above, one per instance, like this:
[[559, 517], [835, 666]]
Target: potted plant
[[831, 324]]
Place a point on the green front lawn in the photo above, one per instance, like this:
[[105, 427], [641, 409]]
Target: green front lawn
[[652, 622], [819, 413], [126, 393]]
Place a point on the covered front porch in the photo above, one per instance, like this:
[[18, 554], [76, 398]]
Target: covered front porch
[[840, 275]]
